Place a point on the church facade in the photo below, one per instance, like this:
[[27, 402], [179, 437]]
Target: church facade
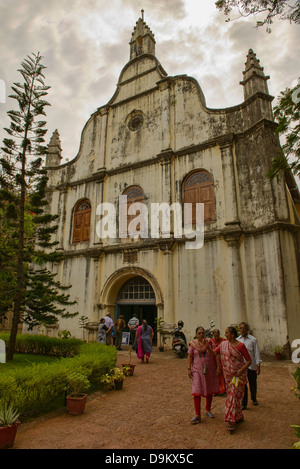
[[156, 142]]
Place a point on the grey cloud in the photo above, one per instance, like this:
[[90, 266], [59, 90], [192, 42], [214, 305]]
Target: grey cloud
[[84, 65], [160, 9]]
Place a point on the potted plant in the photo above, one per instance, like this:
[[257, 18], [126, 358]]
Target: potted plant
[[118, 377], [77, 385], [113, 379], [128, 368], [8, 425], [278, 352]]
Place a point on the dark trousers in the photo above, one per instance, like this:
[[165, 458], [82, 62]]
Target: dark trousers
[[252, 380], [132, 338]]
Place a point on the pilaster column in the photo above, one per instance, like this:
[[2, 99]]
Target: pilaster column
[[231, 205], [65, 226], [99, 196], [102, 156], [169, 310], [164, 87], [237, 290]]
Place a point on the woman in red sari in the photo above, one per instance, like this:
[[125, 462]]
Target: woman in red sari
[[216, 340], [235, 360]]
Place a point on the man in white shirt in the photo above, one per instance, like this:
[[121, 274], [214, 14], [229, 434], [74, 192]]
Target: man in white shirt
[[254, 369], [109, 324]]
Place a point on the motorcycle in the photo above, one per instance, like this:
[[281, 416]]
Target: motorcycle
[[208, 332], [179, 344]]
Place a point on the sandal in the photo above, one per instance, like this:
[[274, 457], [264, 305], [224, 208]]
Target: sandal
[[231, 427], [210, 415], [195, 420]]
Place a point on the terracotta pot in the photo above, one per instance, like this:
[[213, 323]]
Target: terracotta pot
[[130, 369], [7, 435], [76, 403]]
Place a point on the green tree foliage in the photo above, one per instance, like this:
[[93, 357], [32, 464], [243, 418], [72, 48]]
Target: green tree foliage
[[287, 114], [270, 8], [26, 226], [287, 110]]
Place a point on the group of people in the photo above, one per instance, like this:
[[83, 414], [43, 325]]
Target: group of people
[[220, 365], [216, 366], [141, 336]]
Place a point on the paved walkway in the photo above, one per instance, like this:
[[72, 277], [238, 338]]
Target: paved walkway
[[154, 408]]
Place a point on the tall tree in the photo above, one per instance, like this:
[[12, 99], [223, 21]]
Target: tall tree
[[23, 204]]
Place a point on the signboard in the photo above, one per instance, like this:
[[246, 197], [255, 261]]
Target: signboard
[[125, 338]]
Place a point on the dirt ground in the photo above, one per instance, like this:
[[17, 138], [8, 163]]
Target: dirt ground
[[154, 408]]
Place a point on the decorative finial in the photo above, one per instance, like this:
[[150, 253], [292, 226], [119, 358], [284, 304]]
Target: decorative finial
[[142, 11]]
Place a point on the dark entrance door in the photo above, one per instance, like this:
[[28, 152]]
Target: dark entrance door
[[137, 296]]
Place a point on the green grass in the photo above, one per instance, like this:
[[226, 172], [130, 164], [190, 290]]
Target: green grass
[[23, 359]]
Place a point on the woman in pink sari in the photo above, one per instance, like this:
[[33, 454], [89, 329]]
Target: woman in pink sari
[[235, 360], [143, 338], [202, 370]]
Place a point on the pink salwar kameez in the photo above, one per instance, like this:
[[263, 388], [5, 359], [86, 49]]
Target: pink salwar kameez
[[233, 359], [204, 377]]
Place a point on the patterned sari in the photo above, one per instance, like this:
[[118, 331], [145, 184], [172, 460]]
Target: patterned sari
[[214, 344], [232, 360], [144, 345]]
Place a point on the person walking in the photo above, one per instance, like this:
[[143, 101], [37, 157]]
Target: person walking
[[133, 324], [216, 340], [143, 340], [202, 370], [254, 369], [235, 360], [101, 335], [119, 326], [109, 324]]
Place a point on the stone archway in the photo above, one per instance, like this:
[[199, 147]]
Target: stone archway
[[113, 285]]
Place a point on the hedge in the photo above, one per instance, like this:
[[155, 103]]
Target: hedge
[[43, 345], [32, 389]]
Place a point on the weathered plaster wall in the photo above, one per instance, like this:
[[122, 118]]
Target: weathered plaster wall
[[247, 269]]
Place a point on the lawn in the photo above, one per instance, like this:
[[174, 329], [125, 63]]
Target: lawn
[[23, 359]]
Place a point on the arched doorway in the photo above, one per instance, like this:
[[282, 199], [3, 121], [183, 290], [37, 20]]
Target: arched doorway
[[137, 296]]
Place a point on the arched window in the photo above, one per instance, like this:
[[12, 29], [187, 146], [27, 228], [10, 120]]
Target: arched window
[[135, 194], [199, 188], [136, 290], [81, 221]]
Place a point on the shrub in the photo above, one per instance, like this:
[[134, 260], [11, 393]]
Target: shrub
[[43, 345], [32, 389]]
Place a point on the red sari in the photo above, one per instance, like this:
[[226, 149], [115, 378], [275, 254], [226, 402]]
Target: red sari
[[232, 359], [214, 345]]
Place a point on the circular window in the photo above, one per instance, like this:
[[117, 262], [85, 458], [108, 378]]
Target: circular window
[[135, 122]]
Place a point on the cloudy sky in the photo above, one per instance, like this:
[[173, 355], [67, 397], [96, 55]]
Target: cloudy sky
[[85, 46]]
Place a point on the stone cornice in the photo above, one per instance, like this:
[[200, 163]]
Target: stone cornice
[[231, 235], [221, 141]]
